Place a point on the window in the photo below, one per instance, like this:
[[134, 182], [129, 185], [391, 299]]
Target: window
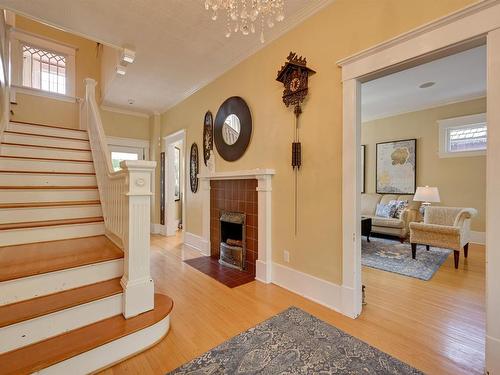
[[44, 70], [118, 156], [463, 136]]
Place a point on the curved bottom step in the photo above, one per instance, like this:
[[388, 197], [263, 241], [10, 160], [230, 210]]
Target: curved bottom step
[[93, 347]]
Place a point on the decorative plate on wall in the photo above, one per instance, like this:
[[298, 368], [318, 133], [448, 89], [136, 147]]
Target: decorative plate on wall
[[208, 136], [194, 168], [232, 128]]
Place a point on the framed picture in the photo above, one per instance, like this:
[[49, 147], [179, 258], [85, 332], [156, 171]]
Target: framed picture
[[396, 170], [177, 172], [363, 159]]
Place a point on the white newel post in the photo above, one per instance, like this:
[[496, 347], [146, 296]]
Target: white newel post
[[138, 287]]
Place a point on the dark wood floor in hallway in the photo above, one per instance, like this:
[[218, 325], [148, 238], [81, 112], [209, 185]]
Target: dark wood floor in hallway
[[438, 326]]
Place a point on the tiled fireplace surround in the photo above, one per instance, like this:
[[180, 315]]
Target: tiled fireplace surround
[[251, 189]]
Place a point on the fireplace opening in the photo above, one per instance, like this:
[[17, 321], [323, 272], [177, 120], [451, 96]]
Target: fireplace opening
[[232, 239]]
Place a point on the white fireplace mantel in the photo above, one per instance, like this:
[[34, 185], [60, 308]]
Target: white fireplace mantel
[[264, 191]]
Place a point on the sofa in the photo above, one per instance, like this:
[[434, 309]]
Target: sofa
[[398, 227]]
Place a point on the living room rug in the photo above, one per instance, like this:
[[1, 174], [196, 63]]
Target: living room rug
[[393, 256], [295, 342]]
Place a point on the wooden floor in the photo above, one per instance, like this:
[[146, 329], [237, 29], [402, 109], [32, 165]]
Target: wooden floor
[[437, 326]]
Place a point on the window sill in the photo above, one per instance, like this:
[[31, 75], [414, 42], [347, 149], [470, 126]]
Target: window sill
[[46, 94], [462, 154]]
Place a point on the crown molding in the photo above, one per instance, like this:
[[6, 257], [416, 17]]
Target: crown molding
[[124, 111]]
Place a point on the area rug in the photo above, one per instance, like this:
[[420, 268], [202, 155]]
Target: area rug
[[393, 256], [295, 342]]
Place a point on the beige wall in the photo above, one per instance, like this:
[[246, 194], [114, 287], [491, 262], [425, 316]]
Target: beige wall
[[339, 30], [461, 181], [124, 125], [49, 111]]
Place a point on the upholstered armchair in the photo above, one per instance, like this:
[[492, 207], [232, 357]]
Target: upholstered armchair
[[445, 227]]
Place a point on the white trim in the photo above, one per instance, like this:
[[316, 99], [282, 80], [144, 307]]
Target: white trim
[[123, 111], [197, 242], [15, 89], [42, 41], [445, 124], [157, 228], [478, 237], [237, 175], [127, 142]]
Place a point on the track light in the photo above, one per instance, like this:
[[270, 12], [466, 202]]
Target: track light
[[128, 56]]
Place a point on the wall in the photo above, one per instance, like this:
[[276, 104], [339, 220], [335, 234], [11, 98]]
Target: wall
[[341, 29], [50, 111], [124, 125], [461, 181]]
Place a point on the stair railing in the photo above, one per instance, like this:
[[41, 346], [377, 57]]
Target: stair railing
[[4, 75], [125, 199]]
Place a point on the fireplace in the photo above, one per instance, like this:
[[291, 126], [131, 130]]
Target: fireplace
[[233, 239]]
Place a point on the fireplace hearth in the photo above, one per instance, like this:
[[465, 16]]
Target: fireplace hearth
[[233, 239]]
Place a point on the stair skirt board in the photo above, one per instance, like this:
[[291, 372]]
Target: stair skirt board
[[40, 328], [20, 236], [40, 179], [46, 130], [40, 152], [27, 139], [52, 282], [46, 195], [11, 164], [111, 353], [26, 214]]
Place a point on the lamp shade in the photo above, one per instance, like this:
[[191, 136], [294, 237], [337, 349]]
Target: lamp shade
[[427, 194]]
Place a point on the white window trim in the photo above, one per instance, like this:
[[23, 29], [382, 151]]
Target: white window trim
[[18, 37], [131, 143], [444, 125]]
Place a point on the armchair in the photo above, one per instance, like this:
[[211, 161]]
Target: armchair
[[446, 227]]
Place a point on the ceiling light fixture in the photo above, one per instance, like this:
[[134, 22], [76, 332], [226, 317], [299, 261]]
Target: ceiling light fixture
[[128, 56], [427, 85], [243, 15], [121, 70]]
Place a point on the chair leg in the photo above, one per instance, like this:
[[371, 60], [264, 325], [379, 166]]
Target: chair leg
[[466, 250], [427, 247], [414, 250], [456, 255], [402, 239]]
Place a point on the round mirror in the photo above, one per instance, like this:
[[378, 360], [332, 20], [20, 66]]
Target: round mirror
[[231, 129]]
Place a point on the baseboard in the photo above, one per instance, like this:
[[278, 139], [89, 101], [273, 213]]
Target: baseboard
[[197, 242], [492, 357], [478, 237], [318, 290]]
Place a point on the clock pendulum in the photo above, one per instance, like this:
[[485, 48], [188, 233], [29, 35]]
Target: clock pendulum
[[294, 76]]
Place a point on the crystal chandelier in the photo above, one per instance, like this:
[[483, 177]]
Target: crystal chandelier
[[247, 15]]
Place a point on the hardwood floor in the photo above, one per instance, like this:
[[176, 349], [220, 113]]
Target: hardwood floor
[[437, 326]]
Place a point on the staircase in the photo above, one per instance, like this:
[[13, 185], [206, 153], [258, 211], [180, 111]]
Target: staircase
[[63, 280]]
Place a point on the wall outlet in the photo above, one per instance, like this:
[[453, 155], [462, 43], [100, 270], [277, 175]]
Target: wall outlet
[[286, 256]]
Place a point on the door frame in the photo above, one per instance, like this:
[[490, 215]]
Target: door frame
[[168, 147], [475, 25]]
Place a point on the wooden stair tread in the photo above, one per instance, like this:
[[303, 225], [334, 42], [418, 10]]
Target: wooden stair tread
[[45, 159], [49, 204], [32, 308], [44, 135], [51, 223], [19, 261], [43, 146], [48, 126], [42, 354], [48, 187]]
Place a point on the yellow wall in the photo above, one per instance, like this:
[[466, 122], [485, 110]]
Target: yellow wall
[[339, 30], [461, 181], [49, 111], [126, 126]]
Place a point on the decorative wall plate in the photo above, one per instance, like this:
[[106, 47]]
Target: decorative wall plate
[[194, 168], [208, 136]]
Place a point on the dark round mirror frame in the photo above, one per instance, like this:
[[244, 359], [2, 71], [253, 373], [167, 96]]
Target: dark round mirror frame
[[237, 106]]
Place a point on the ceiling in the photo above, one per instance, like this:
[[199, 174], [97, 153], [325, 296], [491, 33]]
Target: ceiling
[[179, 49], [457, 78]]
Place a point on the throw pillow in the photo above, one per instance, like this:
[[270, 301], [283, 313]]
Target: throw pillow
[[383, 210], [401, 206]]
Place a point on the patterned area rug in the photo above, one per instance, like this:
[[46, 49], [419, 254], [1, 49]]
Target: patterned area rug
[[393, 256], [295, 342]]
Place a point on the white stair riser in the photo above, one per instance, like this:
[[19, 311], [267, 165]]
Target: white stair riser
[[8, 164], [21, 215], [40, 152], [46, 195], [46, 130], [10, 237], [30, 331], [45, 141], [35, 179], [47, 283], [112, 352]]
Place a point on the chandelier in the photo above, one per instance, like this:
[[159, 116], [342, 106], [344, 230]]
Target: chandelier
[[247, 15]]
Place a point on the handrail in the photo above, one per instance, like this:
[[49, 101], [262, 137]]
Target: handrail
[[125, 200], [4, 75]]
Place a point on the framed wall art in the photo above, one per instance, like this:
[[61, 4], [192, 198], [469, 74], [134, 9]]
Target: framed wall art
[[194, 167], [396, 169], [208, 136], [177, 173]]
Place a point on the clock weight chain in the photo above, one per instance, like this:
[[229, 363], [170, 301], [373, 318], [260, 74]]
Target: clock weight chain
[[296, 163]]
